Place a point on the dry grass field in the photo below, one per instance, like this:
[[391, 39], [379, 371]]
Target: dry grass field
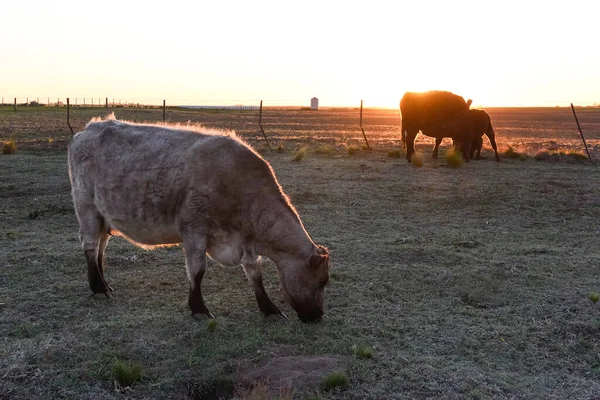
[[471, 282]]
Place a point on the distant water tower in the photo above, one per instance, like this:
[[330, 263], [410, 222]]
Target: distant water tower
[[314, 103]]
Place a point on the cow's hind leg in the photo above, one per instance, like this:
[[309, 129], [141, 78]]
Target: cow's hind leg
[[195, 261], [253, 272], [104, 237], [91, 232], [410, 144], [476, 148], [492, 138], [435, 153]]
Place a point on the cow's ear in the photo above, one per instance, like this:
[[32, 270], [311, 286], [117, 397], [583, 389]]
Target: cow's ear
[[316, 260]]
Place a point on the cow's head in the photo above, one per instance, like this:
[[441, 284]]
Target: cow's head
[[304, 281]]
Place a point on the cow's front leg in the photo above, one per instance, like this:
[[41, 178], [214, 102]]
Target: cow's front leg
[[410, 144], [253, 272], [195, 262], [435, 153]]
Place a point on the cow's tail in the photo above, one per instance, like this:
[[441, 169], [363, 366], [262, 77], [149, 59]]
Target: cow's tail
[[492, 137]]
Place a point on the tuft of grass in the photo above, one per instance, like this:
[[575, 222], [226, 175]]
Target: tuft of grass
[[557, 155], [9, 147], [325, 149], [280, 148], [334, 380], [454, 158], [352, 149], [544, 156], [394, 153], [300, 153], [594, 297], [362, 351], [577, 155], [126, 373], [417, 159], [211, 325], [12, 234], [511, 153]]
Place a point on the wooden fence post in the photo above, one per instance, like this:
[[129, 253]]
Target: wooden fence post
[[164, 110], [580, 132], [261, 127], [361, 126], [69, 117]]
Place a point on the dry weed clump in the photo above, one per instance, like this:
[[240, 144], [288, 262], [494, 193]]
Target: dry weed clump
[[454, 158], [417, 159], [559, 155], [394, 153], [280, 148], [352, 149], [9, 147], [513, 154], [325, 149], [299, 154]]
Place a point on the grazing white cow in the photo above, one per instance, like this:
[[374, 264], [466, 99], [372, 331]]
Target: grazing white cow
[[160, 185]]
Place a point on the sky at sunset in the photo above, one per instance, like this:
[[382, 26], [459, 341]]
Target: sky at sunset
[[498, 53]]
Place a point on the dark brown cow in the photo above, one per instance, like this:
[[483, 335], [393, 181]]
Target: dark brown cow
[[466, 130], [425, 112]]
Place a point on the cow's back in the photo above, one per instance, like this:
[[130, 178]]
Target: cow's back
[[422, 110], [139, 177]]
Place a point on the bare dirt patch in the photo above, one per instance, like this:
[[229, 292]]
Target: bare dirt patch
[[283, 374]]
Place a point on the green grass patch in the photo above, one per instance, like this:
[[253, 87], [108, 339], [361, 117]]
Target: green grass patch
[[594, 297], [336, 380], [126, 373], [12, 234], [362, 351], [212, 325]]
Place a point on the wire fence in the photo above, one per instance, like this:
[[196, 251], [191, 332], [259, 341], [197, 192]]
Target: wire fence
[[285, 120], [115, 102]]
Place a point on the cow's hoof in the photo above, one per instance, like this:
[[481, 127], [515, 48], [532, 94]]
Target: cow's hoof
[[277, 316], [101, 295], [203, 317]]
